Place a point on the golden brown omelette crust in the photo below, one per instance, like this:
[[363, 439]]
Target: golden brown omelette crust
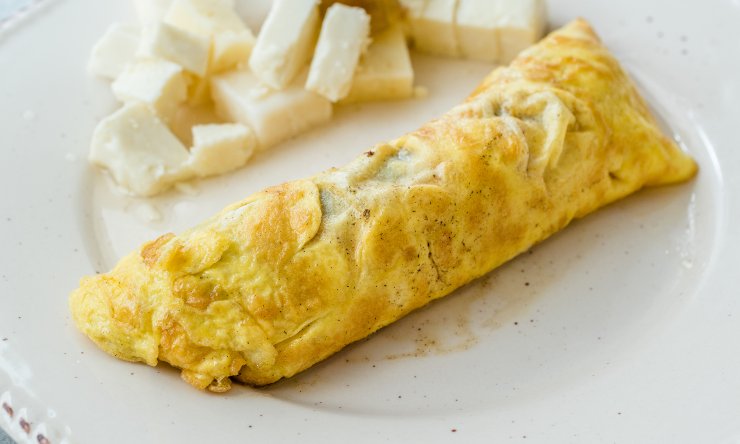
[[275, 283]]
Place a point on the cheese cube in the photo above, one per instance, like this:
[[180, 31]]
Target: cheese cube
[[385, 71], [273, 115], [343, 38], [434, 29], [520, 24], [158, 83], [139, 150], [114, 50], [231, 49], [204, 17], [232, 39], [219, 148], [477, 29], [188, 50], [285, 42], [151, 11]]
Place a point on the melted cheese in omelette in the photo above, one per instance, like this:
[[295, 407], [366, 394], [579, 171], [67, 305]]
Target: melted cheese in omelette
[[290, 275]]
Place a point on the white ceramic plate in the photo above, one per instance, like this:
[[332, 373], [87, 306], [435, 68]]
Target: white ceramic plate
[[623, 328]]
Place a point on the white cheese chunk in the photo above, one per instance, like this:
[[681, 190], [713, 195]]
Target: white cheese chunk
[[344, 36], [477, 29], [285, 42], [385, 71], [204, 17], [217, 19], [434, 29], [151, 11], [273, 115], [520, 24], [159, 83], [219, 148], [188, 50], [114, 50], [139, 150], [231, 49]]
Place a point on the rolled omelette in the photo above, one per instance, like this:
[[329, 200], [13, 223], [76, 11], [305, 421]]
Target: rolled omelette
[[285, 278]]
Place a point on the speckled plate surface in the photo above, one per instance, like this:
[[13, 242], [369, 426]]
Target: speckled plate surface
[[622, 328]]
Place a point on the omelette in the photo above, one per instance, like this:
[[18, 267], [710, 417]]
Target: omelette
[[290, 275]]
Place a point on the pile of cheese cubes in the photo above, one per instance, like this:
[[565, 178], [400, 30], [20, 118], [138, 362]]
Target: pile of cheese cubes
[[200, 93]]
